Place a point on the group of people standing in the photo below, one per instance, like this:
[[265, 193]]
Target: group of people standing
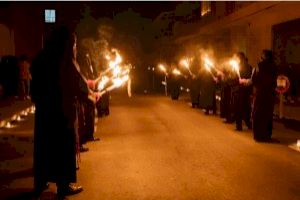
[[65, 103], [247, 97]]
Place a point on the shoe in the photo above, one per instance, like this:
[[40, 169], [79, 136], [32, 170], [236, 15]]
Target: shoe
[[71, 189], [263, 139], [83, 149], [94, 139]]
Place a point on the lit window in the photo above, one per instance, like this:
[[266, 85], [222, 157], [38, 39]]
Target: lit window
[[49, 16], [205, 7]]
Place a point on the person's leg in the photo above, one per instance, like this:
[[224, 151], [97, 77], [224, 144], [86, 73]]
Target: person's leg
[[247, 113], [238, 122], [66, 165], [239, 114]]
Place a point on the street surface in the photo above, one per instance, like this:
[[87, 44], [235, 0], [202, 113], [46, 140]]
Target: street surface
[[154, 148]]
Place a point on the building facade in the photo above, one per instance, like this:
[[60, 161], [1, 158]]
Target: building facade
[[228, 27]]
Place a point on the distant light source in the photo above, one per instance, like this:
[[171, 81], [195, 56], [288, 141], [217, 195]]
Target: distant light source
[[205, 8], [50, 16], [8, 125]]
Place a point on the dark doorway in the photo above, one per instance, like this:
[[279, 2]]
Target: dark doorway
[[286, 47]]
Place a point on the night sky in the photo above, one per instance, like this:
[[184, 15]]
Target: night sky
[[145, 9]]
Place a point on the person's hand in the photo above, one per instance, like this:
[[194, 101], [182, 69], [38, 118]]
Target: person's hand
[[92, 98], [242, 81], [216, 79], [91, 84], [97, 96]]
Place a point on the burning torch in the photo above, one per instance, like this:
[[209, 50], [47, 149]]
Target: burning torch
[[235, 64], [185, 62], [164, 70]]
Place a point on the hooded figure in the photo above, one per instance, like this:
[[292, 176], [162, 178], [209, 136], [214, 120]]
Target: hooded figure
[[56, 86], [264, 81], [208, 91], [195, 84], [174, 86], [243, 95]]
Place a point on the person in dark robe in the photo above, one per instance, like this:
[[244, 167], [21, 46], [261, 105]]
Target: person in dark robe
[[264, 82], [194, 83], [243, 95], [227, 103], [174, 86], [56, 86], [195, 91], [225, 93], [89, 107], [89, 116], [103, 105], [208, 91], [86, 108]]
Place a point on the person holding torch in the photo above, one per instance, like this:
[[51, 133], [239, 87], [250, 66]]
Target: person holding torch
[[174, 83], [194, 83], [243, 93], [57, 86], [208, 85]]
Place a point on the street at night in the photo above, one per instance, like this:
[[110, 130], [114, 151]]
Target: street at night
[[136, 100], [154, 148]]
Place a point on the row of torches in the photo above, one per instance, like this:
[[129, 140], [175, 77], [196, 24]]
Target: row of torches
[[17, 118], [208, 64], [234, 62]]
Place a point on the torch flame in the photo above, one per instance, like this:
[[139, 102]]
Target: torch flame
[[176, 72], [162, 68], [116, 71], [118, 59], [208, 64], [234, 62], [107, 57], [184, 62], [103, 82], [118, 82]]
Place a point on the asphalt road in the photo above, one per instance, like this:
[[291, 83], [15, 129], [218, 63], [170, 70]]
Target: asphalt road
[[154, 148]]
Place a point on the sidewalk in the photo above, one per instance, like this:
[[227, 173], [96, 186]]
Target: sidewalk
[[289, 111], [16, 147], [11, 106]]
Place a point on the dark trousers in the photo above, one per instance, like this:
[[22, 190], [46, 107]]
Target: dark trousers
[[225, 102], [263, 116], [89, 114], [243, 109]]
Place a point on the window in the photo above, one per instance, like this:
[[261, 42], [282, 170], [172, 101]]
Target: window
[[205, 8], [50, 16]]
